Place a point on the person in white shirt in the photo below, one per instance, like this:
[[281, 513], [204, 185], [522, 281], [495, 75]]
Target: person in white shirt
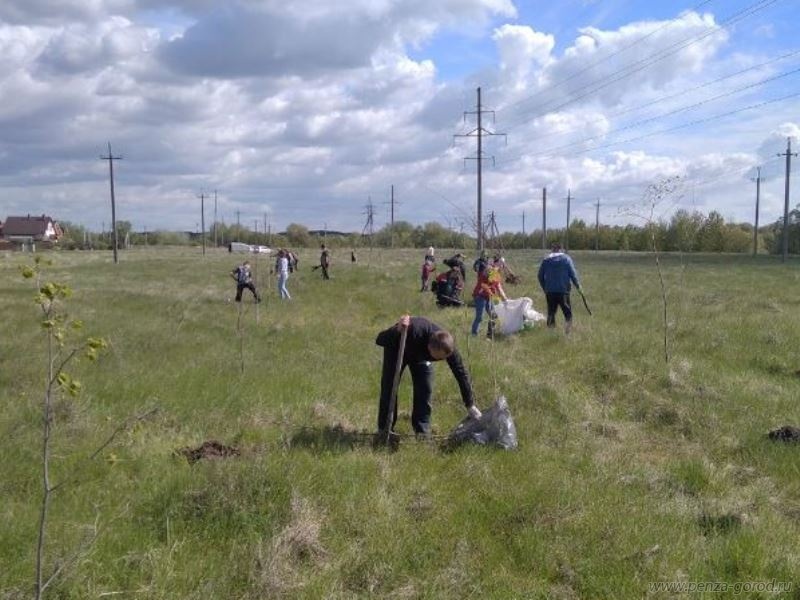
[[283, 274]]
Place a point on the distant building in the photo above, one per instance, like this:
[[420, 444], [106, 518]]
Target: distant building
[[31, 229]]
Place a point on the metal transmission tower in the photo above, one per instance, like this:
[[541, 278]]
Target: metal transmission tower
[[479, 132], [785, 242], [368, 229], [203, 220], [758, 201], [111, 158]]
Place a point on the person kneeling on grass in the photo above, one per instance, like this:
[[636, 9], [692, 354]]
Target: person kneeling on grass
[[426, 343], [244, 280], [555, 274]]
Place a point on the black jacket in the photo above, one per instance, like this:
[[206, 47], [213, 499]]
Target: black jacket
[[419, 334]]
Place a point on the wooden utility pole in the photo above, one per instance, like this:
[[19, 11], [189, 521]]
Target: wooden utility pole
[[479, 132], [203, 220], [391, 216], [544, 218], [523, 230], [566, 237], [597, 227], [215, 219], [785, 241], [758, 200], [111, 158], [238, 226]]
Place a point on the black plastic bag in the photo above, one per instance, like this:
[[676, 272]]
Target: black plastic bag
[[494, 427]]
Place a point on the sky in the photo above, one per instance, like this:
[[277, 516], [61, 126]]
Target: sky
[[305, 112]]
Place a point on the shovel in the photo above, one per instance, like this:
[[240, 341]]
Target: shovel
[[395, 384], [580, 291]]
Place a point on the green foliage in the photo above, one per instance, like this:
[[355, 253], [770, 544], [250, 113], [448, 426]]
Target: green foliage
[[297, 235]]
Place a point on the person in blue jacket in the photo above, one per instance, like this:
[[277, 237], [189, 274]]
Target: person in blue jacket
[[556, 274]]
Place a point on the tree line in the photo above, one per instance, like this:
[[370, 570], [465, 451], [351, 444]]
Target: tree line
[[685, 231]]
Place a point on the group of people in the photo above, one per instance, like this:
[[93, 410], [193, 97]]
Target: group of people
[[425, 341], [286, 262], [556, 275]]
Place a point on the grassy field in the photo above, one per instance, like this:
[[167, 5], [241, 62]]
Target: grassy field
[[629, 470]]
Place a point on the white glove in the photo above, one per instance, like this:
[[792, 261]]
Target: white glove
[[474, 412]]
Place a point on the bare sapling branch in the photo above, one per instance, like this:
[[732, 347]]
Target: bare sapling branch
[[659, 198]]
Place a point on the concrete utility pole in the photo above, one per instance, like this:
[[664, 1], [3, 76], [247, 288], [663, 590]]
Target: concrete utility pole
[[544, 218], [758, 200], [203, 220], [265, 229], [479, 132], [391, 215], [785, 242], [215, 219], [523, 230], [566, 237], [111, 158], [597, 227]]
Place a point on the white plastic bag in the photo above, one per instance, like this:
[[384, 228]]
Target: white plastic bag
[[512, 315]]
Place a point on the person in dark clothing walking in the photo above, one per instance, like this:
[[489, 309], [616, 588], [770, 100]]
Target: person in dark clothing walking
[[426, 343], [556, 273], [244, 279], [324, 261]]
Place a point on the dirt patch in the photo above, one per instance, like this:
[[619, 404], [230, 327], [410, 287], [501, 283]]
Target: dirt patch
[[787, 433], [210, 449], [719, 523]]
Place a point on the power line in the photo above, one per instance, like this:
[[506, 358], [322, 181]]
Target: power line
[[548, 153], [652, 59], [670, 113], [686, 91], [604, 59]]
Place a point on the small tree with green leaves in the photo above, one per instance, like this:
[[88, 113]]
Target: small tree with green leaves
[[64, 346]]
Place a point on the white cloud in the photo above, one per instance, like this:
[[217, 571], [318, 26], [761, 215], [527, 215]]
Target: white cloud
[[308, 108]]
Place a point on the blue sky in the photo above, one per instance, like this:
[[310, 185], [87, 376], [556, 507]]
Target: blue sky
[[304, 110]]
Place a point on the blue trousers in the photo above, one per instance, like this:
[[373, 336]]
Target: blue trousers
[[483, 305]]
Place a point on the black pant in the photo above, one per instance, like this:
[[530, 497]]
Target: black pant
[[554, 300], [325, 271], [240, 287], [422, 379]]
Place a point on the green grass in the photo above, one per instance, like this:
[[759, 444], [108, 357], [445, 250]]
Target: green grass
[[629, 470]]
